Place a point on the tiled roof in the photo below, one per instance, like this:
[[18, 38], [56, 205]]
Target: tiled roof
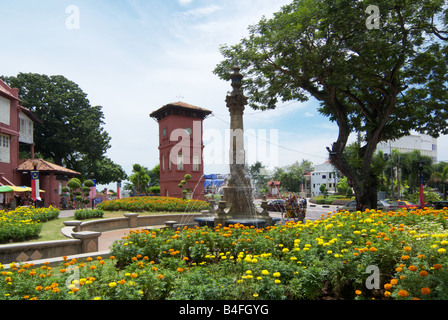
[[45, 166], [6, 90], [179, 105]]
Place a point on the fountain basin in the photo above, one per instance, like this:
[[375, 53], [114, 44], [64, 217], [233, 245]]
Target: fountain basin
[[256, 222], [206, 221]]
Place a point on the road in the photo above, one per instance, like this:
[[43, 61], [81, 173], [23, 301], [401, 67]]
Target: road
[[313, 211]]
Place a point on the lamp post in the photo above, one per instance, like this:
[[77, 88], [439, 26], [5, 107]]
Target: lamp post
[[421, 200]]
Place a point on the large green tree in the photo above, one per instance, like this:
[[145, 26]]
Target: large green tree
[[71, 128], [380, 71]]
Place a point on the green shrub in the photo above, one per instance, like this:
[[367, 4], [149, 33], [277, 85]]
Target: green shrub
[[153, 204], [83, 214]]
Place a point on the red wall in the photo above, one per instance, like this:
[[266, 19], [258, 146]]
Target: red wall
[[188, 145], [7, 170]]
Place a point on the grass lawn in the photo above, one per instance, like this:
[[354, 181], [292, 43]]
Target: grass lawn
[[51, 230]]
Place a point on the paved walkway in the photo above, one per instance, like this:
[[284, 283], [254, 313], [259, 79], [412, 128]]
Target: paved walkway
[[107, 237]]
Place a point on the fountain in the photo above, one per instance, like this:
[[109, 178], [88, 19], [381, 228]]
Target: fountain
[[238, 205]]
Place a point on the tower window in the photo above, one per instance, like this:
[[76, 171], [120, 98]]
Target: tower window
[[180, 161], [195, 162]]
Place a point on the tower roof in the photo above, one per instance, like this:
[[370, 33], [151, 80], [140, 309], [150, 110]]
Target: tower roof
[[180, 108]]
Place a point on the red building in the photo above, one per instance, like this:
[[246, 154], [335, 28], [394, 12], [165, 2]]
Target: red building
[[17, 127], [181, 148]]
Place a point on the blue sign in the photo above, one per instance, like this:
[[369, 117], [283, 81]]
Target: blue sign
[[97, 200]]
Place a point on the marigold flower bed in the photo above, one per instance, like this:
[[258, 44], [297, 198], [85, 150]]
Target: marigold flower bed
[[324, 259], [24, 223], [156, 204]]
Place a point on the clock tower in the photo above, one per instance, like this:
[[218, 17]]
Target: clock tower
[[181, 148]]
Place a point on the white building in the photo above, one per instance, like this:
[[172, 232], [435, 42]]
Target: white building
[[324, 173], [426, 144]]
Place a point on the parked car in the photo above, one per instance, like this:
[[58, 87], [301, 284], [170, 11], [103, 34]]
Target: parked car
[[276, 205], [351, 206], [404, 204]]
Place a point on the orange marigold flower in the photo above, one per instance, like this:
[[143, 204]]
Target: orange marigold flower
[[407, 248], [387, 294], [425, 290], [437, 266], [413, 268], [423, 273], [403, 293], [394, 282], [398, 269], [373, 249], [388, 286], [421, 256], [358, 292], [404, 258]]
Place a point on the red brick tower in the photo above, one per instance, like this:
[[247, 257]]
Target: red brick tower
[[181, 148]]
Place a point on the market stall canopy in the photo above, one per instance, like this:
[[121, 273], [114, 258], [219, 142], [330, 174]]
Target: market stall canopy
[[21, 189], [5, 189]]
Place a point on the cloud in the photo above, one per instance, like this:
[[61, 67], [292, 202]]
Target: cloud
[[309, 114], [185, 2], [201, 12]]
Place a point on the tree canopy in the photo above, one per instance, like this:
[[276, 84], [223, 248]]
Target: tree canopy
[[71, 132], [71, 128], [380, 82]]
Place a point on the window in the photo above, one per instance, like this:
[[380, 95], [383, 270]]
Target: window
[[180, 161], [195, 162], [324, 176], [163, 162], [5, 106], [4, 148], [169, 163]]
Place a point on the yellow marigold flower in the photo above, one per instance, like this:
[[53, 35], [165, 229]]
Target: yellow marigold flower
[[265, 272], [112, 284], [276, 274], [277, 281], [441, 250]]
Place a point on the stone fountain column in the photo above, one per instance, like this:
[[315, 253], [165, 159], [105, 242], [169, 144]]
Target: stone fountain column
[[238, 190]]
